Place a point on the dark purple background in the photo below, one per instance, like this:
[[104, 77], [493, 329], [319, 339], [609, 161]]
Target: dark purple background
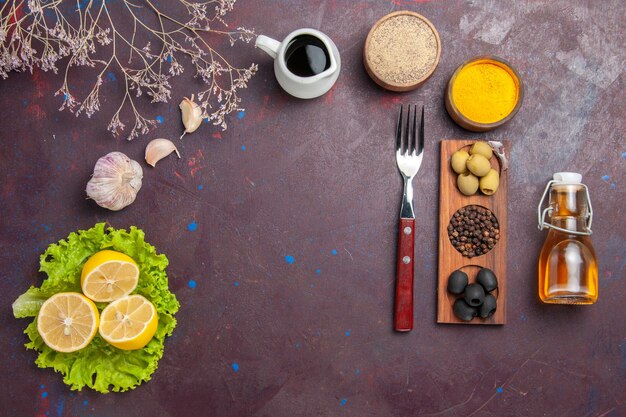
[[281, 234]]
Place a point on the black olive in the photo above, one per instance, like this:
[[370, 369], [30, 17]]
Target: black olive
[[457, 282], [474, 295], [464, 311], [487, 279], [488, 308]]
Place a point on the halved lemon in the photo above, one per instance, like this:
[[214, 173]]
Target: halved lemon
[[67, 321], [129, 323], [109, 275]]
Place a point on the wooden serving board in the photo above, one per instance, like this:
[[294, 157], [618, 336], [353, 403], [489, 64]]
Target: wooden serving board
[[451, 200]]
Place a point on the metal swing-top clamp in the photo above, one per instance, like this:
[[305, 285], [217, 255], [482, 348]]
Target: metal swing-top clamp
[[564, 178]]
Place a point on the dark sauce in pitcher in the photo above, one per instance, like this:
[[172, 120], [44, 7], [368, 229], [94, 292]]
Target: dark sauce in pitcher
[[307, 56]]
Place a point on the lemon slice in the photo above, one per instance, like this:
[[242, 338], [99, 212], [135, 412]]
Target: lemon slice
[[109, 275], [67, 321], [129, 323]]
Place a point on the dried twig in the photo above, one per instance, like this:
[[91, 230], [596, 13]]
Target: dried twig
[[46, 33]]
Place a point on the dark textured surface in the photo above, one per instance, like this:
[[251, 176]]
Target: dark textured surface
[[316, 181]]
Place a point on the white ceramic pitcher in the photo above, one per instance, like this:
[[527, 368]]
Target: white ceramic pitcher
[[297, 86]]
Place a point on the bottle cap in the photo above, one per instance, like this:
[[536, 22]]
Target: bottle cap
[[567, 177]]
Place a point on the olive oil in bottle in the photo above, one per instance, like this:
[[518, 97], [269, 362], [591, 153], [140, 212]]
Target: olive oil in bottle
[[568, 270]]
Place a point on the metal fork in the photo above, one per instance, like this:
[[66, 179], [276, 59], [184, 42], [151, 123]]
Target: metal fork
[[409, 161]]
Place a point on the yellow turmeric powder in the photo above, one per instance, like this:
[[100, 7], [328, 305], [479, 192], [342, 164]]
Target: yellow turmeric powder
[[485, 91]]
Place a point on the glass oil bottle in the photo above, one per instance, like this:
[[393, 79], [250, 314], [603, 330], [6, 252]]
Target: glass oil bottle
[[568, 269]]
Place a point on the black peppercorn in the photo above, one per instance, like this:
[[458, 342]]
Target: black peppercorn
[[476, 228]]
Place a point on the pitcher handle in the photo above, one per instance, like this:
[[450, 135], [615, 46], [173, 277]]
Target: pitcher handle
[[269, 45]]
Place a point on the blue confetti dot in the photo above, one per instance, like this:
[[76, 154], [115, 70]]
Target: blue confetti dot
[[44, 394], [289, 259], [169, 58], [624, 155], [65, 96], [111, 76], [613, 186], [200, 187], [42, 386], [358, 372], [241, 115], [159, 119], [318, 271], [499, 390], [347, 333], [235, 367], [206, 120], [606, 177], [343, 402], [192, 227], [334, 251], [192, 284], [236, 283], [85, 402], [243, 147]]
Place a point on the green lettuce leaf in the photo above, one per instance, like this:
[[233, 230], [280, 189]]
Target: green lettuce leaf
[[99, 365]]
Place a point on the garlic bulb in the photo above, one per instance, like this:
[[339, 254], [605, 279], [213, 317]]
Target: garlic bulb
[[115, 181], [191, 114], [158, 149]]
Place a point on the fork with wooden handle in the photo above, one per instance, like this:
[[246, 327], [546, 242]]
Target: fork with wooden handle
[[409, 159]]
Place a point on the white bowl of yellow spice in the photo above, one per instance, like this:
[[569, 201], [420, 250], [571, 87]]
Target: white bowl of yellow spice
[[401, 51], [484, 93]]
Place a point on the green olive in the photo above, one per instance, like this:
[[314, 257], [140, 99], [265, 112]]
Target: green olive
[[458, 160], [467, 183], [489, 183], [481, 148], [478, 165]]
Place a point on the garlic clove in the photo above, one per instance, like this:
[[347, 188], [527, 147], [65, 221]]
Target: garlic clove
[[115, 182], [498, 149], [191, 115], [158, 149]]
